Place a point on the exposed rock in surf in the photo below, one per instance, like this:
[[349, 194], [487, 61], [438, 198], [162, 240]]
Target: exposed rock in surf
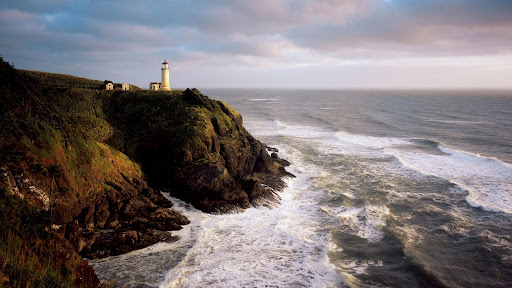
[[114, 242], [283, 162], [270, 149]]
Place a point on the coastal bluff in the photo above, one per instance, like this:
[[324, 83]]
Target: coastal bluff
[[81, 169], [195, 148]]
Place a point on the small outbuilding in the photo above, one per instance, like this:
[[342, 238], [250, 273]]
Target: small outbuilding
[[154, 86], [116, 86]]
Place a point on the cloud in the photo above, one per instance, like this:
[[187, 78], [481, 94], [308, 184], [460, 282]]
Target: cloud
[[428, 28], [34, 6], [239, 33], [352, 27], [275, 16]]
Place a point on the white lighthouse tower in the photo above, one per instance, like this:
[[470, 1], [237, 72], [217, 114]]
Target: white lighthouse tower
[[165, 77]]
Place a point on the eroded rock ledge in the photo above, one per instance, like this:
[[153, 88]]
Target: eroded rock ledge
[[198, 149]]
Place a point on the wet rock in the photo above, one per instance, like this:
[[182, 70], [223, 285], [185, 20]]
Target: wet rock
[[116, 242], [270, 149], [276, 158]]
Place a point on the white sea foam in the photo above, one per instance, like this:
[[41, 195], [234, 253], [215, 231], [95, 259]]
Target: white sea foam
[[327, 140], [365, 222], [282, 247], [261, 128], [488, 181], [359, 267], [345, 143], [302, 131], [371, 141], [144, 267]]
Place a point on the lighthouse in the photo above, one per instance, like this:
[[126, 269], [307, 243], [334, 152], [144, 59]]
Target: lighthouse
[[165, 76]]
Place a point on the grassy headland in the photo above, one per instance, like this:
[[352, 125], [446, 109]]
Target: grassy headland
[[76, 160]]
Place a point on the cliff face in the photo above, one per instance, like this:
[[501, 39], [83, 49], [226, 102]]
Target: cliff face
[[82, 156], [195, 147]]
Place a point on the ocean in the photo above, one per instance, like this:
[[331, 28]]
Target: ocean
[[392, 189]]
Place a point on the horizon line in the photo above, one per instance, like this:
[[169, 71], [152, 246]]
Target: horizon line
[[352, 88]]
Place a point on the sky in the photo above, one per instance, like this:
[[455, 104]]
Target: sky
[[325, 44]]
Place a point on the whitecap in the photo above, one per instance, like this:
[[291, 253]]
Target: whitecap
[[488, 181], [371, 141], [283, 247], [365, 222]]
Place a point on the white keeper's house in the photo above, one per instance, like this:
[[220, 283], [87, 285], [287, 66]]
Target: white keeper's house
[[116, 86]]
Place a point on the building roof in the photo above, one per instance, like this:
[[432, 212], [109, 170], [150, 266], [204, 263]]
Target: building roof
[[165, 62]]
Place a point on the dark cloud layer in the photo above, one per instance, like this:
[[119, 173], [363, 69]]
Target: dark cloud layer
[[228, 31]]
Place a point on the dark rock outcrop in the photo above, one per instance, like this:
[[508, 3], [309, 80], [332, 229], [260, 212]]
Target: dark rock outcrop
[[197, 148], [124, 202], [276, 158]]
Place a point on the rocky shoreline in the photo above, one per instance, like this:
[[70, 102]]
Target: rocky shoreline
[[150, 228], [93, 161]]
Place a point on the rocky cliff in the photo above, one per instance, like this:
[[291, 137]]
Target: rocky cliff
[[92, 162], [195, 147]]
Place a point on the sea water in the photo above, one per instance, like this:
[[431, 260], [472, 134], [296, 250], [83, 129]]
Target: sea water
[[393, 189]]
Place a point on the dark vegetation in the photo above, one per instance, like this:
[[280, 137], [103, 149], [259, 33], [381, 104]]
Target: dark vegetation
[[158, 127], [53, 155], [30, 255], [74, 161]]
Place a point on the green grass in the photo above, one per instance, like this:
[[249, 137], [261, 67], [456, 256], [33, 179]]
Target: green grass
[[162, 129], [62, 80], [61, 119], [27, 249]]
